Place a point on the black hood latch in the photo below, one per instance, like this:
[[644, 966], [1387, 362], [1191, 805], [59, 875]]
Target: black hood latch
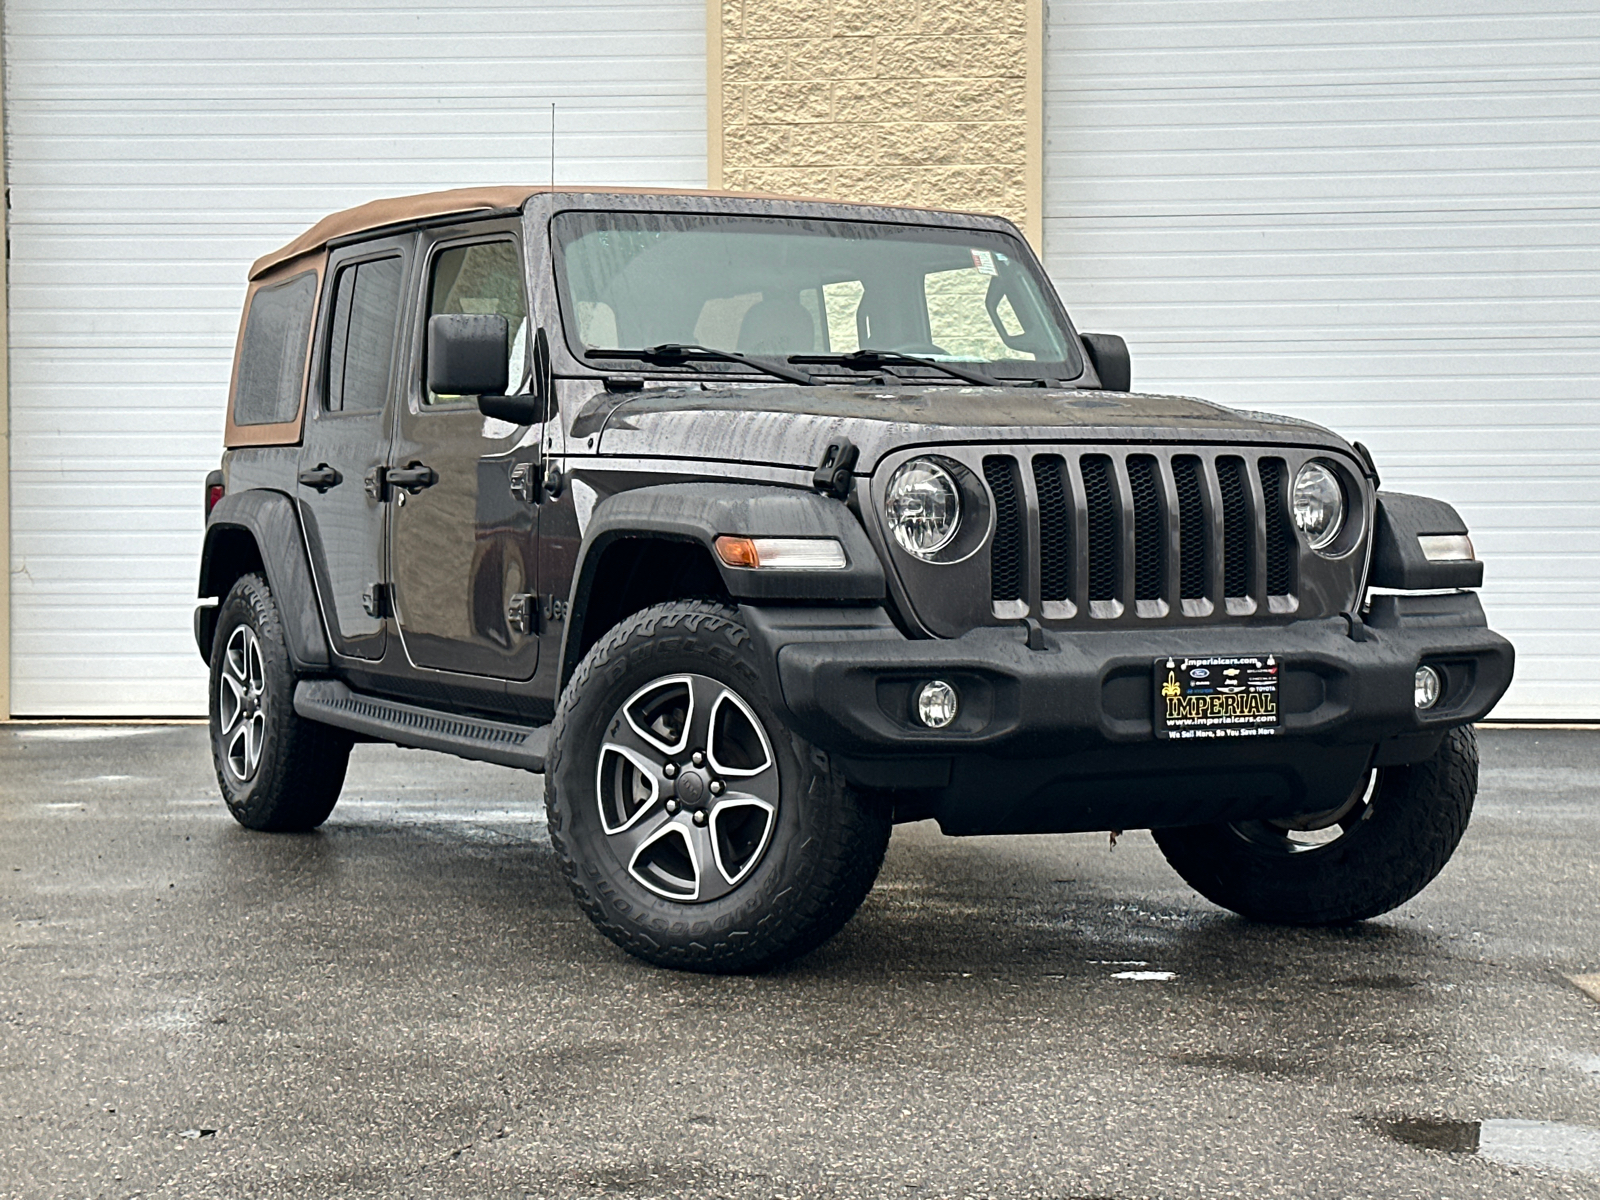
[[837, 469]]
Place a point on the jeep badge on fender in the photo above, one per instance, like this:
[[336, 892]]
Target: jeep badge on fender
[[757, 526]]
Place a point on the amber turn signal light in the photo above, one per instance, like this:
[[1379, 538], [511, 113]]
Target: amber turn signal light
[[738, 552], [784, 554]]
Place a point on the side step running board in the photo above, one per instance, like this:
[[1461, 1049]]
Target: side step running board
[[330, 702]]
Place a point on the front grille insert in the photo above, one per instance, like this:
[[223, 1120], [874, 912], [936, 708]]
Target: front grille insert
[[1055, 528], [1105, 533], [1236, 528], [1280, 535], [1149, 530], [1193, 557], [1005, 555], [1143, 534]]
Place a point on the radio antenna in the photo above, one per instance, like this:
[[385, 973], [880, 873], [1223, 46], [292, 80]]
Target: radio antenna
[[552, 145]]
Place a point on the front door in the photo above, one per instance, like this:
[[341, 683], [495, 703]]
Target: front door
[[463, 547], [346, 449]]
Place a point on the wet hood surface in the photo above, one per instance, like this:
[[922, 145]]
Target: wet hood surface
[[789, 426]]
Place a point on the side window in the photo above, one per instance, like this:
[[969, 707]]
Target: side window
[[485, 278], [272, 361], [366, 317]]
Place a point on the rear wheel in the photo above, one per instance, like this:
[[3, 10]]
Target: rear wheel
[[1372, 853], [278, 772], [693, 828]]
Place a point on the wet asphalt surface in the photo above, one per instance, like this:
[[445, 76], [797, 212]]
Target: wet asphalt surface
[[407, 1004]]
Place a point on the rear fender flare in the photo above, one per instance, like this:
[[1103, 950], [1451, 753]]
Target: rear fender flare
[[269, 519]]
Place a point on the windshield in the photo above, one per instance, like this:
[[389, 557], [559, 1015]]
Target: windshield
[[775, 287]]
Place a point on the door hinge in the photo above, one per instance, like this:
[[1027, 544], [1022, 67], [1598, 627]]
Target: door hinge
[[522, 614], [377, 599], [524, 485], [528, 486], [375, 485]]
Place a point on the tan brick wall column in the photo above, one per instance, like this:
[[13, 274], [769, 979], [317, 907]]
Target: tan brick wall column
[[925, 102]]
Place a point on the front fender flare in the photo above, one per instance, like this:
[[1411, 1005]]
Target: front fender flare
[[1397, 558], [270, 520], [699, 513]]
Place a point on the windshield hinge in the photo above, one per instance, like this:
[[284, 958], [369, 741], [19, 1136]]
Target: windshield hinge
[[837, 468]]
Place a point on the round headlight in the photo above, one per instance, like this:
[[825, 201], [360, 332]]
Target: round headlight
[[1318, 504], [923, 507]]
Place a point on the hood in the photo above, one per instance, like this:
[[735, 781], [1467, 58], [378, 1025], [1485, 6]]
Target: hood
[[788, 425]]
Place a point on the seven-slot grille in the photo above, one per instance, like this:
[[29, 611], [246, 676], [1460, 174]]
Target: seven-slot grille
[[1181, 534]]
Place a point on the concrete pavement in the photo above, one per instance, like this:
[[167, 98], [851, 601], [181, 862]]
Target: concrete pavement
[[408, 1004]]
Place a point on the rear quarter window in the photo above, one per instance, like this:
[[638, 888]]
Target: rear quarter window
[[272, 360]]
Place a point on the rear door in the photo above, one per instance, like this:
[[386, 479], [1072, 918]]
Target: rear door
[[463, 547], [346, 448]]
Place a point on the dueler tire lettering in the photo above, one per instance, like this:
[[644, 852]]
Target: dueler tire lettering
[[285, 779], [806, 846]]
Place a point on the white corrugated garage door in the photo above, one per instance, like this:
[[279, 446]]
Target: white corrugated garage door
[[153, 152], [1386, 223]]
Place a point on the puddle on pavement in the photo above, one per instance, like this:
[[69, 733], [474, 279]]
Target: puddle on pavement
[[1379, 983], [1245, 1064], [1552, 1145], [1455, 1137]]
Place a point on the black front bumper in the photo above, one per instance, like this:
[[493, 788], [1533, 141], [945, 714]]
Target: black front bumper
[[1063, 738]]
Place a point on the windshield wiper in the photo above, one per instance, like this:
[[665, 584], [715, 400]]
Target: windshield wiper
[[671, 354], [877, 360]]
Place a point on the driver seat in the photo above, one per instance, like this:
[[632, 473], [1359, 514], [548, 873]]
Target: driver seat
[[776, 327]]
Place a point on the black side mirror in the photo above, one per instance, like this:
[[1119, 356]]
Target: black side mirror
[[1108, 354], [532, 408], [467, 354]]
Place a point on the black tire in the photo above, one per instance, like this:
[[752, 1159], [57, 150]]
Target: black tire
[[822, 846], [289, 780], [1395, 837]]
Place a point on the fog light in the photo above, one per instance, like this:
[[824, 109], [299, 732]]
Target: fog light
[[937, 704], [1427, 687]]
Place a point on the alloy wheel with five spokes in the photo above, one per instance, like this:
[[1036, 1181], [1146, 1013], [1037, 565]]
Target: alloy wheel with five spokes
[[241, 692], [688, 788]]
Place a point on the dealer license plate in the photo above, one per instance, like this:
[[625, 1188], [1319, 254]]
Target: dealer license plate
[[1222, 696]]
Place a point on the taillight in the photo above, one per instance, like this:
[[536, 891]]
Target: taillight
[[215, 490]]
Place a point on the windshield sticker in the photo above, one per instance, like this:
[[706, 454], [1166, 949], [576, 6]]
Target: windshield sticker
[[983, 262]]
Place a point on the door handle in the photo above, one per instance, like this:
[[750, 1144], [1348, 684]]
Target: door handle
[[322, 477], [412, 478]]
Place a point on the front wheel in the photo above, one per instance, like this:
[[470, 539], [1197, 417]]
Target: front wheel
[[694, 829], [1369, 855]]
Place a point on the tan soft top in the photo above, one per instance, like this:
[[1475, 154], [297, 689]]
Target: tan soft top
[[380, 213]]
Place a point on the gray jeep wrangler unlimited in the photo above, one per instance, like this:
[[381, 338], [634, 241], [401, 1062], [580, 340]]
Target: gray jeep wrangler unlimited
[[759, 525]]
